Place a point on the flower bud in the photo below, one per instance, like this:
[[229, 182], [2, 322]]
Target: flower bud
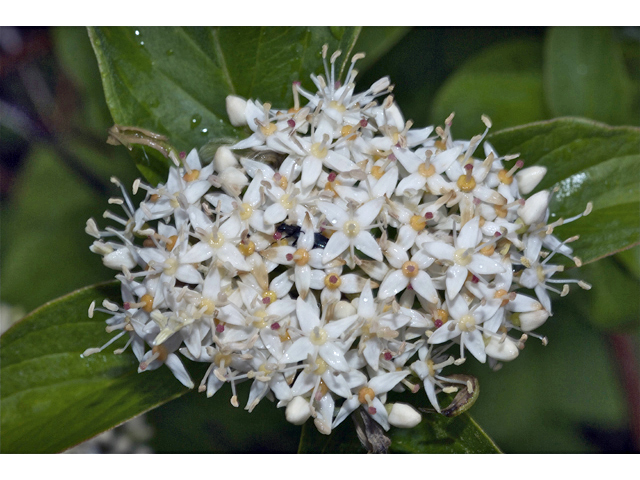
[[532, 320], [119, 258], [402, 415], [235, 110], [298, 411], [529, 178], [343, 310], [224, 159], [504, 350], [233, 181], [534, 208]]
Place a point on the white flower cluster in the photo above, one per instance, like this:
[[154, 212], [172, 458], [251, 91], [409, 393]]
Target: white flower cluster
[[334, 255]]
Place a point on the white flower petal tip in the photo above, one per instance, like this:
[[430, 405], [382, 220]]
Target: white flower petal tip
[[402, 415], [529, 178], [236, 107], [534, 207], [298, 411], [502, 349]]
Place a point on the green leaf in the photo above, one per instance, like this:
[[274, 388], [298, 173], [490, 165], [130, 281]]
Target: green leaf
[[52, 398], [588, 161], [503, 82], [435, 434], [585, 75], [376, 42], [174, 81], [613, 304]]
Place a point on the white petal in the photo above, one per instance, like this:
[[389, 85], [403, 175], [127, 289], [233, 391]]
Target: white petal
[[475, 344], [337, 244], [275, 214], [333, 356], [336, 215], [423, 285], [365, 242], [298, 350], [483, 265], [311, 168], [469, 235], [456, 275], [392, 284], [366, 214]]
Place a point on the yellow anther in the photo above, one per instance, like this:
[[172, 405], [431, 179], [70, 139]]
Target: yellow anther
[[466, 183], [432, 370], [426, 170], [282, 243], [283, 182], [322, 387], [346, 130], [410, 269], [247, 248], [162, 352], [191, 176], [500, 293], [504, 177], [366, 395], [148, 243], [440, 145], [332, 281], [301, 257], [377, 172], [285, 336], [245, 211], [418, 223], [154, 197], [148, 302], [318, 150], [171, 242]]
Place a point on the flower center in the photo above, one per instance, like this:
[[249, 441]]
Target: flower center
[[466, 182], [148, 302], [319, 150], [426, 170], [301, 257], [332, 281], [462, 256], [286, 201], [245, 211], [172, 266], [377, 172], [191, 176], [366, 395], [351, 228], [410, 269], [247, 249], [318, 336], [418, 223], [467, 323], [337, 105], [209, 305]]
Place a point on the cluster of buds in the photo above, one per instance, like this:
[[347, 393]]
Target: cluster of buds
[[334, 255]]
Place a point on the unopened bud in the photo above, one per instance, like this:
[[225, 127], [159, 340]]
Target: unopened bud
[[529, 178], [343, 310], [235, 110], [503, 349], [402, 415], [298, 411], [224, 159], [532, 320], [534, 208]]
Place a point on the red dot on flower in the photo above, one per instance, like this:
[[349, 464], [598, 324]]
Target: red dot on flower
[[388, 356], [364, 123], [372, 410], [275, 326], [474, 279], [468, 166], [438, 323], [183, 154], [266, 300], [428, 215], [291, 122], [277, 235], [497, 234], [289, 256], [126, 305], [392, 157], [409, 287], [332, 176], [220, 328]]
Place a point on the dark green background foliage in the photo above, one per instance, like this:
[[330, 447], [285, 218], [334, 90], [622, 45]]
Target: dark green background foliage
[[569, 396]]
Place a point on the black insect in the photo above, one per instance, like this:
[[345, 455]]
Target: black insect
[[319, 240]]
